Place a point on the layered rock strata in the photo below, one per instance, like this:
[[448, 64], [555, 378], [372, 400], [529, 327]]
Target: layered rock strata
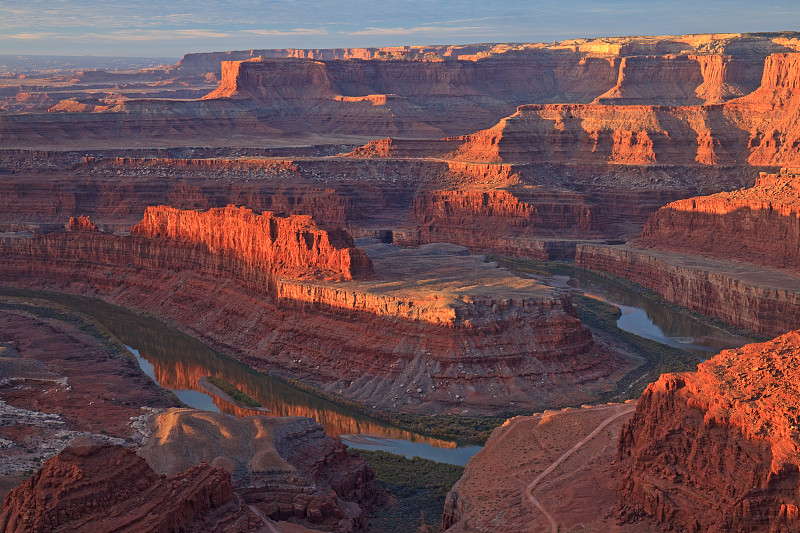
[[760, 299], [431, 92], [410, 201], [437, 329], [758, 225], [285, 468], [717, 449], [752, 130], [110, 488], [291, 247]]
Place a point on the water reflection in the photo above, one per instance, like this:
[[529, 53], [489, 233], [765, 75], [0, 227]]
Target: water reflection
[[177, 362], [649, 318]]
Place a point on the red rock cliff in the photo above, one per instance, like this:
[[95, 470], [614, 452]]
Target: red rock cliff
[[717, 450], [757, 225], [761, 299], [393, 343], [109, 488], [292, 246]]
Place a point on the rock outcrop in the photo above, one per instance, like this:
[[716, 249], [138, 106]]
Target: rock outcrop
[[284, 467], [81, 223], [109, 488], [760, 299], [717, 450], [757, 225], [291, 247]]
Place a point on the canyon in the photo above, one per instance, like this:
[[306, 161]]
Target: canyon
[[436, 329], [322, 216], [699, 253], [711, 450]]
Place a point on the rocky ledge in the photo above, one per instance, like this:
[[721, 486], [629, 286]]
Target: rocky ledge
[[757, 224], [108, 488], [717, 450], [289, 246], [761, 299]]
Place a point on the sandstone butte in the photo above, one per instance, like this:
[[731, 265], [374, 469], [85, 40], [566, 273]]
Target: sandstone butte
[[437, 329], [717, 449]]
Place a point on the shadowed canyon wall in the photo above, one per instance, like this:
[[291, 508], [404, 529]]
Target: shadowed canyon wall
[[757, 225], [755, 298]]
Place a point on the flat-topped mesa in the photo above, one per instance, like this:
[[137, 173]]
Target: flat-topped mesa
[[564, 76], [758, 225], [291, 246], [758, 129], [717, 449], [199, 63]]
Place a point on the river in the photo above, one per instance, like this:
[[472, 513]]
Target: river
[[647, 317], [178, 362]]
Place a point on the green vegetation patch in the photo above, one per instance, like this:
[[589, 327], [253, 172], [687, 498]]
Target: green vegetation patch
[[659, 358], [461, 429], [419, 485], [234, 392]]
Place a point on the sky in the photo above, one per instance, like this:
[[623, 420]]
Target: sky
[[171, 28]]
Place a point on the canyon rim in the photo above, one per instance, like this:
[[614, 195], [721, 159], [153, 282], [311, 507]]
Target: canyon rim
[[441, 246]]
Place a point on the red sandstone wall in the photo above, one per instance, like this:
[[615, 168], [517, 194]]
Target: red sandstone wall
[[716, 450], [757, 225], [765, 310], [531, 356], [292, 246]]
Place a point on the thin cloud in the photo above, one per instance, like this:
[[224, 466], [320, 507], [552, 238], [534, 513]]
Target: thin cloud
[[156, 35], [417, 29], [296, 31], [28, 36]]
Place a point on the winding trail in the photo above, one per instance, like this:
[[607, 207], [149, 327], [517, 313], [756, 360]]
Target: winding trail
[[618, 412]]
